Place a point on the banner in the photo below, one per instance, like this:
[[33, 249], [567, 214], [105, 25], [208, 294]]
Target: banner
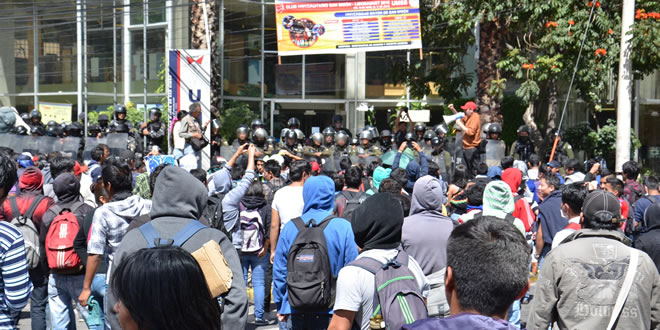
[[59, 112], [343, 27], [190, 81]]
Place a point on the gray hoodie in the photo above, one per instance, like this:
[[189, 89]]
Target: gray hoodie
[[231, 201], [178, 199]]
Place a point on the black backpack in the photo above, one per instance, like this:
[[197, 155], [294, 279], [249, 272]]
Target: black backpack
[[353, 201], [213, 213], [310, 282]]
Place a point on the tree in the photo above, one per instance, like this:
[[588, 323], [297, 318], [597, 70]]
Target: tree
[[198, 41]]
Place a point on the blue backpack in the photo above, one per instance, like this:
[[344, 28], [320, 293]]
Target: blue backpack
[[153, 238]]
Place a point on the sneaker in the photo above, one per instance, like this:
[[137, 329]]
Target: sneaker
[[260, 322]]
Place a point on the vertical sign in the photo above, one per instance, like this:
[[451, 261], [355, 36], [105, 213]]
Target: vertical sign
[[190, 81]]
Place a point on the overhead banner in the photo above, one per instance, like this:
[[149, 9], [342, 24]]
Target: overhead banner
[[59, 112], [190, 81], [343, 27]]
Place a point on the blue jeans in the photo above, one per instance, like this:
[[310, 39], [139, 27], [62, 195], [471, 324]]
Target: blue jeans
[[258, 266], [62, 289], [98, 292], [307, 321]]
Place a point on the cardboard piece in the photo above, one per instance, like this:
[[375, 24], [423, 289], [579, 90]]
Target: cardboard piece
[[215, 268]]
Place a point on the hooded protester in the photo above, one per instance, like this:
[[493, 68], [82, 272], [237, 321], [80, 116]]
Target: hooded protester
[[522, 210], [649, 241], [377, 226], [178, 199], [380, 174], [63, 288], [30, 184], [318, 196], [414, 169], [498, 202], [424, 236], [111, 221]]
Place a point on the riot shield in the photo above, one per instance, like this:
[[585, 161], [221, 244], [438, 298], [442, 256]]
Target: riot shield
[[494, 152], [227, 152], [17, 143], [46, 144], [92, 143], [117, 142], [331, 164], [6, 140]]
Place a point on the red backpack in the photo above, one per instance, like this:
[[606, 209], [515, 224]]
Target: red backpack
[[59, 240]]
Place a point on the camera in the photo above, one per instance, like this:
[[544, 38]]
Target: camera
[[589, 163]]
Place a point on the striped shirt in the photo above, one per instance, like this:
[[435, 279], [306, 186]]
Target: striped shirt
[[15, 285]]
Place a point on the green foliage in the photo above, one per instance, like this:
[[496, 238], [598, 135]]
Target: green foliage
[[580, 136], [133, 115], [233, 114], [604, 142], [512, 110]]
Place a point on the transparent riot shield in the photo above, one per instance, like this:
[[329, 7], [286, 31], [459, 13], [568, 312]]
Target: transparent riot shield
[[92, 143], [17, 143], [70, 147], [494, 152], [46, 144], [117, 142], [6, 140], [31, 144], [331, 164], [227, 152]]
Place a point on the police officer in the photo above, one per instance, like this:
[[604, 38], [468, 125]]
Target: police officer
[[293, 123], [37, 130], [26, 117], [257, 123], [131, 143], [120, 118], [35, 119], [259, 139], [242, 136], [441, 157], [316, 148], [154, 130], [428, 136], [291, 147], [328, 137], [494, 131], [338, 125], [103, 123], [53, 130], [353, 146], [366, 147], [564, 150], [301, 136], [341, 144], [420, 129], [271, 143], [93, 131], [523, 147], [385, 140]]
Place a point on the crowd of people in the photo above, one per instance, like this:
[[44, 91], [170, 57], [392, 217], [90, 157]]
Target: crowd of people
[[402, 230]]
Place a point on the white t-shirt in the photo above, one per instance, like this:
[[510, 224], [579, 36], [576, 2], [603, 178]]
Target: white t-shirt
[[288, 202], [355, 286]]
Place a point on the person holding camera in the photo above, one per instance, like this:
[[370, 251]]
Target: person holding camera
[[401, 127], [470, 124]]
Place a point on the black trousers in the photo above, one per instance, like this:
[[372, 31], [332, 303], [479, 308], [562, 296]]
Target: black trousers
[[472, 158]]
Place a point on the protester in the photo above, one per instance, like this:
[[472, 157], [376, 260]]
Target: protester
[[380, 174], [484, 279], [522, 211], [582, 279], [111, 221], [615, 186], [351, 197], [15, 284], [288, 202], [378, 236], [470, 124], [632, 190], [554, 167], [143, 303], [424, 236], [414, 170], [178, 200], [474, 200], [318, 196], [572, 199], [651, 185], [273, 181], [649, 241], [32, 204], [551, 220], [572, 171]]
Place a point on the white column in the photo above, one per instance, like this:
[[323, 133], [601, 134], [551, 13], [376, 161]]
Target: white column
[[79, 60], [126, 51], [624, 87]]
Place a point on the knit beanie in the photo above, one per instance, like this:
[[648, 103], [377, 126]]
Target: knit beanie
[[498, 199], [31, 179], [377, 222]]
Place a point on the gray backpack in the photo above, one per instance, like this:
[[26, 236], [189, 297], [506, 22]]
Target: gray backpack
[[26, 225], [397, 297]]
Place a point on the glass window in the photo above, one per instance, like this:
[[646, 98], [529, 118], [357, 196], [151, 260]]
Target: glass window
[[137, 12], [155, 59], [156, 11], [57, 50], [270, 30], [283, 79], [20, 79], [324, 75], [100, 60], [242, 58], [377, 84]]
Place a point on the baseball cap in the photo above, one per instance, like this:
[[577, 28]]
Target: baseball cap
[[554, 164], [469, 105], [601, 202]]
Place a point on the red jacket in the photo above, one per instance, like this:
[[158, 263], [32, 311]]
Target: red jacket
[[523, 211], [24, 200]]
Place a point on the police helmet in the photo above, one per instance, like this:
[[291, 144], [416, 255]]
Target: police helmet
[[120, 108], [293, 121], [260, 134], [155, 112], [51, 123], [103, 117], [92, 130], [243, 129], [25, 116], [290, 134], [341, 136], [76, 129], [385, 133], [419, 127], [329, 131], [317, 138], [355, 142], [436, 142], [21, 130], [216, 124], [37, 130], [429, 134], [523, 128], [410, 137], [366, 134], [35, 114], [440, 129], [299, 134], [271, 140], [53, 131], [494, 128], [257, 123]]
